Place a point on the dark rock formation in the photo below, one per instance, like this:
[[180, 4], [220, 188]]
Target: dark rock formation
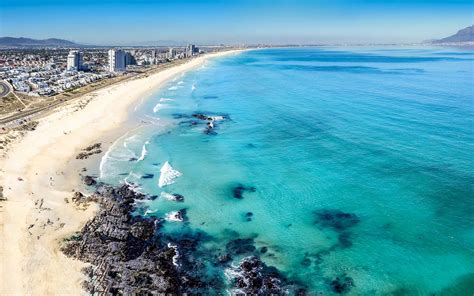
[[202, 116], [335, 219], [210, 122], [147, 176], [177, 216], [178, 197], [126, 255], [342, 284], [89, 180], [240, 246], [93, 147], [256, 278], [248, 216], [174, 196], [238, 191], [90, 150]]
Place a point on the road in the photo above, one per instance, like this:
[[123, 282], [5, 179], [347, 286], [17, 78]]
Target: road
[[4, 89]]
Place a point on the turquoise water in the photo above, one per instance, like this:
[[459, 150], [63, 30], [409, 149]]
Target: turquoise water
[[361, 160]]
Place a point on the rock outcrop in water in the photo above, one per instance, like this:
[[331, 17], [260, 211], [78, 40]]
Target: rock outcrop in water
[[125, 254], [129, 256], [253, 277], [89, 180], [238, 191], [210, 122]]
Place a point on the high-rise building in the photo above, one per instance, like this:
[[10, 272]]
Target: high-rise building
[[129, 59], [191, 50], [117, 60], [172, 53], [74, 60]]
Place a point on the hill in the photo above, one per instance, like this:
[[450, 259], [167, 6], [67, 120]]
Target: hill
[[464, 35], [28, 42]]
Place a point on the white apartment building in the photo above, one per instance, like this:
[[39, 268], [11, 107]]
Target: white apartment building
[[74, 60], [117, 61]]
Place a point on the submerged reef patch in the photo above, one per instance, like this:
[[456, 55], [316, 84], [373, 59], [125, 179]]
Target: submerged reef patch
[[238, 191], [338, 221], [240, 246], [335, 219], [342, 284]]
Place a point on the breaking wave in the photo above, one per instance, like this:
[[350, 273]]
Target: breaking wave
[[165, 99], [158, 107], [144, 151], [168, 175], [113, 154]]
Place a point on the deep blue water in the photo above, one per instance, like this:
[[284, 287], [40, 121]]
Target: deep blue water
[[358, 162]]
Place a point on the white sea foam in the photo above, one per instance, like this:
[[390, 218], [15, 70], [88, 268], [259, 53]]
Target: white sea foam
[[165, 99], [129, 140], [158, 107], [173, 216], [147, 212], [152, 120], [167, 195], [175, 257], [131, 180], [173, 88], [168, 175], [144, 152], [217, 118], [180, 82], [107, 156], [193, 87]]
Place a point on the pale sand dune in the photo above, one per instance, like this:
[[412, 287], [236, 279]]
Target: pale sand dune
[[30, 260]]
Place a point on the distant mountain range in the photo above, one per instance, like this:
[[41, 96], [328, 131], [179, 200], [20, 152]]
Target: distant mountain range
[[28, 42], [464, 35], [54, 42]]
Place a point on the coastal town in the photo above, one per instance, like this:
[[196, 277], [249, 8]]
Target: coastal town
[[47, 72], [35, 79]]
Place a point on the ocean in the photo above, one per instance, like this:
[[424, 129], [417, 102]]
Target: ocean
[[349, 166]]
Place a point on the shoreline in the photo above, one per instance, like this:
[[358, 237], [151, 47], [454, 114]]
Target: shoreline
[[39, 173]]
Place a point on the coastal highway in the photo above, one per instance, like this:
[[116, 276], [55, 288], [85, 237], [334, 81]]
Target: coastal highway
[[4, 89]]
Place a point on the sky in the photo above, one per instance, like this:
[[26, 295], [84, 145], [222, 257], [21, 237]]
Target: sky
[[142, 22]]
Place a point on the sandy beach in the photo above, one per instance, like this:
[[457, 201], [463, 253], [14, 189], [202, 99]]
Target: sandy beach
[[38, 182]]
